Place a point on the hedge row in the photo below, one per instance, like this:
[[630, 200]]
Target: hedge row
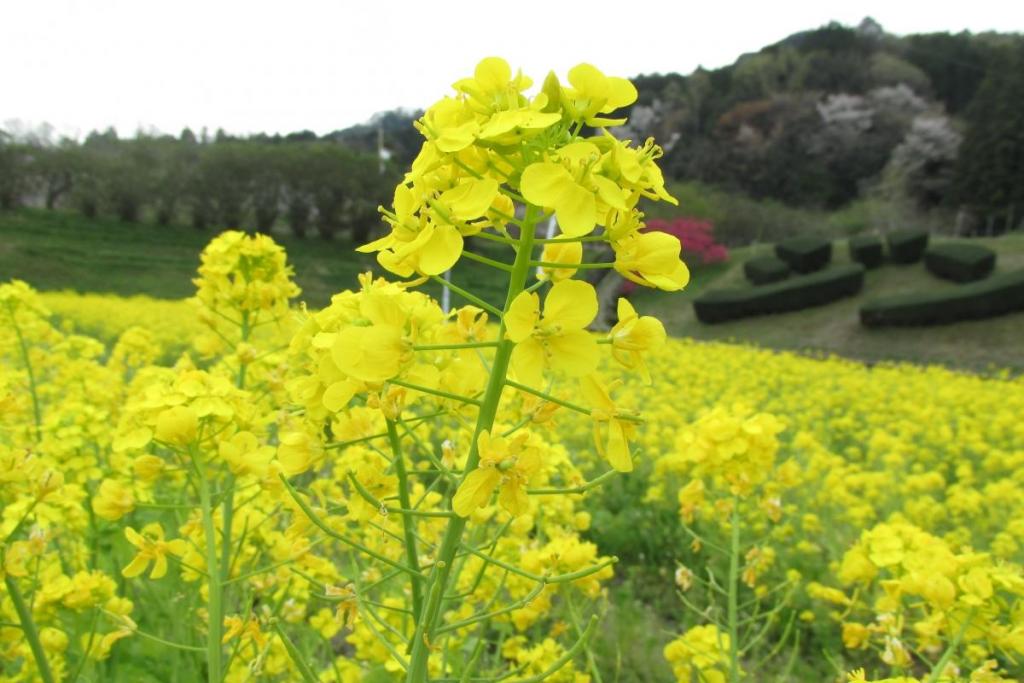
[[907, 246], [789, 295], [997, 295], [805, 254], [960, 261], [866, 250], [765, 269]]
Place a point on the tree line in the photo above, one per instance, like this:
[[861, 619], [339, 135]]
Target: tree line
[[309, 184]]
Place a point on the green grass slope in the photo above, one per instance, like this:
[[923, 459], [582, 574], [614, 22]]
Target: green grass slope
[[54, 250]]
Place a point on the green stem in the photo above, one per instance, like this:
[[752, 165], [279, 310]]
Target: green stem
[[471, 298], [435, 392], [447, 347], [572, 266], [582, 488], [408, 521], [951, 649], [417, 672], [487, 261], [36, 412], [28, 627], [293, 652], [216, 618], [734, 575]]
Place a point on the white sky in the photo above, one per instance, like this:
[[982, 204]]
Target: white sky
[[250, 65]]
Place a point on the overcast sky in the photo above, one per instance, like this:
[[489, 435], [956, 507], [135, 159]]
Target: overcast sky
[[250, 66]]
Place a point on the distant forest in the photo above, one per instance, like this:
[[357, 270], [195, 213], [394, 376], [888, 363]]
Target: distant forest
[[819, 120]]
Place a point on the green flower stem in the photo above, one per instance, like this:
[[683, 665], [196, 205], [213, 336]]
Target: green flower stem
[[28, 627], [567, 656], [435, 392], [373, 500], [557, 578], [471, 298], [582, 488], [565, 404], [381, 435], [571, 266], [511, 607], [420, 652], [487, 261], [300, 662], [214, 651], [408, 521], [564, 240], [940, 666], [313, 517], [447, 347], [733, 604], [23, 347]]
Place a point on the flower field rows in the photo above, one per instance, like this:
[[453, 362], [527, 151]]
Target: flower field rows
[[885, 502]]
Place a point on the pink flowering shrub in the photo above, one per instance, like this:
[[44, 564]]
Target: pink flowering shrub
[[699, 245]]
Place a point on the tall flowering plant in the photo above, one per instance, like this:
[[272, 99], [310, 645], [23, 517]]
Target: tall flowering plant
[[495, 163]]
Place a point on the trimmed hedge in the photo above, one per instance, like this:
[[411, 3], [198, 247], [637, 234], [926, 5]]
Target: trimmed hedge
[[960, 261], [765, 269], [805, 254], [789, 295], [866, 250], [999, 294], [907, 246]]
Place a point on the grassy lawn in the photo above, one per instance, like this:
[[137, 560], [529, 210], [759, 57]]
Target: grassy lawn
[[836, 328], [55, 250]]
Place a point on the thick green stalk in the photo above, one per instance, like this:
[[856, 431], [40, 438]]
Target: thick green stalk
[[408, 520], [36, 412], [28, 627], [214, 653], [734, 589], [417, 672], [940, 667]]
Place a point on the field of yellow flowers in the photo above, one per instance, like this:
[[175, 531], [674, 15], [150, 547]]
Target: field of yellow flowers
[[880, 510], [237, 488]]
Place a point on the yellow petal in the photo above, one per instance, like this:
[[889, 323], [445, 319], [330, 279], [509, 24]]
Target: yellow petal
[[470, 199], [621, 93], [563, 253], [544, 183], [610, 192], [572, 304], [576, 211], [514, 499], [528, 362], [135, 567], [493, 73], [625, 310], [475, 490], [522, 316], [134, 537], [457, 137], [159, 567], [617, 451], [441, 251], [589, 80], [575, 353], [337, 396], [594, 394]]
